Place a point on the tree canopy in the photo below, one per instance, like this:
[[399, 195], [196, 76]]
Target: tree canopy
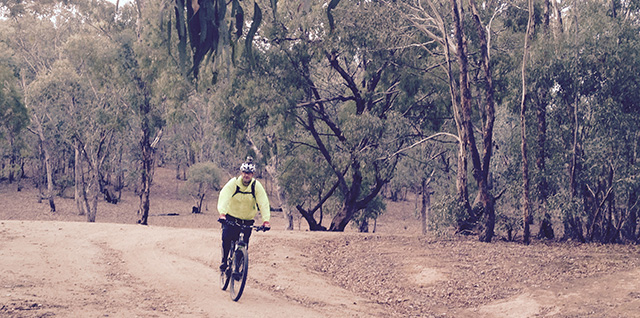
[[502, 113]]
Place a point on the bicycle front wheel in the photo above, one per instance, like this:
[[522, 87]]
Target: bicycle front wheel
[[239, 275], [225, 276]]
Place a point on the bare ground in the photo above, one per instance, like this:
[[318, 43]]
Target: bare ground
[[58, 265]]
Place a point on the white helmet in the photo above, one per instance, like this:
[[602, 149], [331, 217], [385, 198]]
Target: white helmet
[[248, 166]]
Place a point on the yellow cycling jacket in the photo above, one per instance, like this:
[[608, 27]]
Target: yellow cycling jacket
[[242, 201]]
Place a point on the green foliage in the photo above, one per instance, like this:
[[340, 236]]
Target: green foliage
[[444, 215], [373, 211], [323, 101], [203, 177], [205, 174], [13, 113]]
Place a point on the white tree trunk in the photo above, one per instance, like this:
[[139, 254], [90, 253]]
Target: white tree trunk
[[79, 181]]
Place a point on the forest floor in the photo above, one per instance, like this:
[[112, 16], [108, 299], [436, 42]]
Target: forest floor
[[58, 265]]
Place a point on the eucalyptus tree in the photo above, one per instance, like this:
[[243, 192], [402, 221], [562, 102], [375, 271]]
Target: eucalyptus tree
[[578, 84], [436, 19], [203, 177], [526, 204], [338, 98], [13, 113], [146, 64], [33, 34], [13, 120], [99, 116], [601, 96], [160, 80]]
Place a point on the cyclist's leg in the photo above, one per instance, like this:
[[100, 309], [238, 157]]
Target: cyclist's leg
[[247, 235], [229, 234]]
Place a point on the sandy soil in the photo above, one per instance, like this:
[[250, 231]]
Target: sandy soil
[[58, 265]]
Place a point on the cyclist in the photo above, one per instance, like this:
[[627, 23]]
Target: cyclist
[[239, 201]]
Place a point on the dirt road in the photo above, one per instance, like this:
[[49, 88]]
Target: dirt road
[[58, 265], [75, 269], [67, 269]]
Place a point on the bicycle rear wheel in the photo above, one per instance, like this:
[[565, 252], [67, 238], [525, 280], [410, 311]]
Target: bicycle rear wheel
[[239, 275]]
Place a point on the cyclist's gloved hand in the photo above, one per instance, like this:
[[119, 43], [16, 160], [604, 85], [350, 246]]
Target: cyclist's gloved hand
[[266, 225]]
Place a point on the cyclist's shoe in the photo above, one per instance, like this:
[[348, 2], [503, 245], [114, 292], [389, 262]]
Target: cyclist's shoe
[[236, 276], [223, 267]]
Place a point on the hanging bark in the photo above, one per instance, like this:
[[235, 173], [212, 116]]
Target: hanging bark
[[614, 8]]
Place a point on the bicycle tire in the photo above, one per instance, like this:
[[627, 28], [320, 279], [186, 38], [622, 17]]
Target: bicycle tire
[[241, 267], [225, 276]]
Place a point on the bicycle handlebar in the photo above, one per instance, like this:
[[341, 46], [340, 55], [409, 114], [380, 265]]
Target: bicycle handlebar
[[233, 223]]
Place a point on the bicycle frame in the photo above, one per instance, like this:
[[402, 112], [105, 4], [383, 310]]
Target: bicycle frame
[[237, 262]]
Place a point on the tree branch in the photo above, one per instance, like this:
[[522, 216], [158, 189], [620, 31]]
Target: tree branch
[[420, 142]]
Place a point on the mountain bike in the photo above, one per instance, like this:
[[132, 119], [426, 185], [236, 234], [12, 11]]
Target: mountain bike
[[235, 275]]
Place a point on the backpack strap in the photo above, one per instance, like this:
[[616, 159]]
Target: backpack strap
[[253, 190]]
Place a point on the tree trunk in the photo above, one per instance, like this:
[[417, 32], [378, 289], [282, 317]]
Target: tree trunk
[[91, 199], [631, 220], [426, 206], [480, 171], [526, 220], [364, 226], [79, 180], [546, 16], [574, 165], [147, 166], [546, 226], [47, 166], [342, 218], [288, 216], [614, 9], [349, 208], [307, 215], [13, 157], [559, 27], [467, 220], [482, 178], [120, 177], [272, 170], [611, 231]]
